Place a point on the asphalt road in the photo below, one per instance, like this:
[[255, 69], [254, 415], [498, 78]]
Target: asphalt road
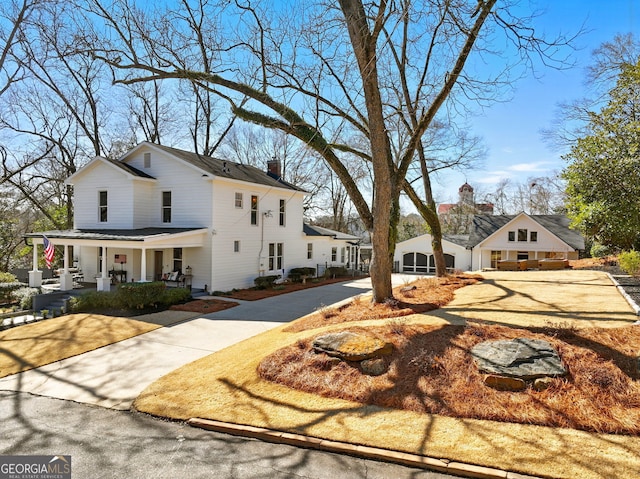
[[107, 443]]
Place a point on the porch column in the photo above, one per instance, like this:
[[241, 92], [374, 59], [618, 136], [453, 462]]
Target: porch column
[[35, 275], [103, 283], [143, 266], [66, 278]]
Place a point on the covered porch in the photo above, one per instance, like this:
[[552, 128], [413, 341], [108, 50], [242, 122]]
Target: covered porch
[[107, 257]]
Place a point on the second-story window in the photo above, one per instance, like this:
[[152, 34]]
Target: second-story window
[[533, 236], [147, 160], [238, 200], [522, 235], [283, 204], [102, 206], [254, 210], [166, 207]]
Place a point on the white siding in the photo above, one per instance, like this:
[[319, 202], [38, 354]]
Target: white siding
[[120, 194], [190, 192], [422, 244], [238, 270]]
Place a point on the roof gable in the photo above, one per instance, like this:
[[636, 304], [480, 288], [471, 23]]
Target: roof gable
[[124, 168], [485, 226]]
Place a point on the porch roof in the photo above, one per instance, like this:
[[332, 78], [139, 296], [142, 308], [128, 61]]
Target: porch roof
[[140, 234]]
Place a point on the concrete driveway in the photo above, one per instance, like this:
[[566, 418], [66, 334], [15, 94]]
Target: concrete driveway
[[113, 376]]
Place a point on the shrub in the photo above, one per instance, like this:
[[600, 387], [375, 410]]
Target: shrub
[[129, 296], [24, 296], [630, 262], [335, 271], [296, 274], [599, 250], [7, 277], [140, 295], [7, 290], [175, 296], [93, 301], [264, 282]]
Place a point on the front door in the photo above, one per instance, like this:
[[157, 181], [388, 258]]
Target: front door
[[157, 265]]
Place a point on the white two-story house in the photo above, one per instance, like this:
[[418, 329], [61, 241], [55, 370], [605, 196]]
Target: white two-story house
[[159, 211]]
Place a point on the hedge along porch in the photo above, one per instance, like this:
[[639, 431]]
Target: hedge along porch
[[108, 256]]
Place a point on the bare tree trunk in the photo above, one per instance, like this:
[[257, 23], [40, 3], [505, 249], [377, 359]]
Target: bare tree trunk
[[432, 219]]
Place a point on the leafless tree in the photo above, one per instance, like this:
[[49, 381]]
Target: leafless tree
[[539, 195], [348, 80], [573, 116], [13, 14]]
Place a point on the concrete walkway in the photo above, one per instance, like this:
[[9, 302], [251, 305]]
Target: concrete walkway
[[113, 376]]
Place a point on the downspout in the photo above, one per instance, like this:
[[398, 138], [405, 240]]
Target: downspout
[[261, 246]]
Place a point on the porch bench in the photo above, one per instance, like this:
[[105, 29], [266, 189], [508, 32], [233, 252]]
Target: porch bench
[[551, 264], [512, 265], [176, 280], [533, 264]]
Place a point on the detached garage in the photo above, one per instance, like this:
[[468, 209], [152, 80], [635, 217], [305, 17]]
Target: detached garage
[[415, 255]]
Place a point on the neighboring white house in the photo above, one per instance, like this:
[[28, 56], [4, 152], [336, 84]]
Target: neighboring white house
[[159, 210], [521, 237], [494, 238]]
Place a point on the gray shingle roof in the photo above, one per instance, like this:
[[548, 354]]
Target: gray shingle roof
[[311, 230], [228, 169], [485, 225], [130, 169], [111, 234]]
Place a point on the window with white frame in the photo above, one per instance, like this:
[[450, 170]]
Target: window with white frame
[[342, 252], [166, 207], [254, 210], [276, 251], [102, 206], [238, 200], [522, 234], [533, 236], [147, 160], [309, 250], [283, 205], [334, 254], [177, 259], [512, 235]]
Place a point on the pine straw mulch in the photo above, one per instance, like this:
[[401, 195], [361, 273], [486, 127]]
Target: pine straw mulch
[[204, 306], [430, 371], [426, 294], [254, 294]]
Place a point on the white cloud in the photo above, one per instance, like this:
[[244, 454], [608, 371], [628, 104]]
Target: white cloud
[[531, 167]]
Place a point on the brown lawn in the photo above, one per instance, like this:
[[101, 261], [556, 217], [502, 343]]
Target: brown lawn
[[430, 371]]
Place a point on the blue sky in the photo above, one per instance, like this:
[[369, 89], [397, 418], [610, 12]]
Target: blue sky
[[511, 130]]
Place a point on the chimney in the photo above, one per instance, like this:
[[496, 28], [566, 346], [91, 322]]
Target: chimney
[[274, 168]]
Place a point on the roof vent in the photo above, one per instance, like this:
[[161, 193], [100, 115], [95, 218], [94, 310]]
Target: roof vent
[[225, 168]]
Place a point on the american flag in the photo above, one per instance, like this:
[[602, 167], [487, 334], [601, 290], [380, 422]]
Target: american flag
[[49, 251]]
